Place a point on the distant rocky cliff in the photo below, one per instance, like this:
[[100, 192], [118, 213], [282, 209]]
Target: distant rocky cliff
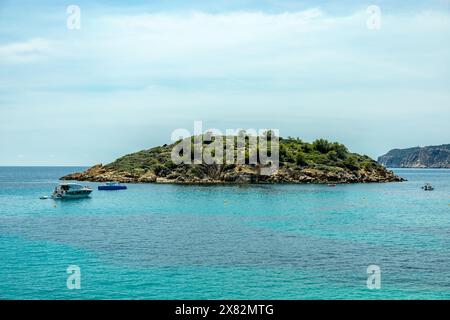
[[425, 157]]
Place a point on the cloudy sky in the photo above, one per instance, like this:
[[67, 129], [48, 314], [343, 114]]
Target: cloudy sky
[[137, 70]]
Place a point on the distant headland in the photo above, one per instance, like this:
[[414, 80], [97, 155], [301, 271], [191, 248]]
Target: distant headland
[[418, 157], [321, 162]]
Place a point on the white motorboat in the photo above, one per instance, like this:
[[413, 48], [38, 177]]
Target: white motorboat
[[71, 191]]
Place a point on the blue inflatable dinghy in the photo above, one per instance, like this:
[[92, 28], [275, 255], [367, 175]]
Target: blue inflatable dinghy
[[112, 186]]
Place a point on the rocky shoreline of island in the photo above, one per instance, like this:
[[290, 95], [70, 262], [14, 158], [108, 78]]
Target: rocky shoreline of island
[[320, 162], [100, 173]]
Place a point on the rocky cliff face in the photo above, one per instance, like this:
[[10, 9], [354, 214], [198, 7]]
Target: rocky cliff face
[[425, 157], [300, 162]]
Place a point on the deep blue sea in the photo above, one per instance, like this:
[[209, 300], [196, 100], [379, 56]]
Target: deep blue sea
[[225, 242]]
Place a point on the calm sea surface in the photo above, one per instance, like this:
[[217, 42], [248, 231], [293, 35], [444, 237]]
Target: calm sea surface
[[225, 242]]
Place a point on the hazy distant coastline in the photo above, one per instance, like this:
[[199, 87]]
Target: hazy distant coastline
[[418, 157]]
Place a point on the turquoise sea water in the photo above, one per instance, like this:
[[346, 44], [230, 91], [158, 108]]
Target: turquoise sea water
[[225, 242]]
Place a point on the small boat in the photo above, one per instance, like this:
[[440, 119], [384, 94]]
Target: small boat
[[71, 191], [332, 185], [112, 186], [428, 187]]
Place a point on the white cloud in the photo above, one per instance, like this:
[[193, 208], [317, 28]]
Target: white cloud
[[27, 51], [308, 73], [304, 46]]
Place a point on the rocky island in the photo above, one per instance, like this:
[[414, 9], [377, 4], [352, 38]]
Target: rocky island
[[299, 162], [418, 157]]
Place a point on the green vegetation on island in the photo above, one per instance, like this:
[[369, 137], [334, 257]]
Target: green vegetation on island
[[299, 162]]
